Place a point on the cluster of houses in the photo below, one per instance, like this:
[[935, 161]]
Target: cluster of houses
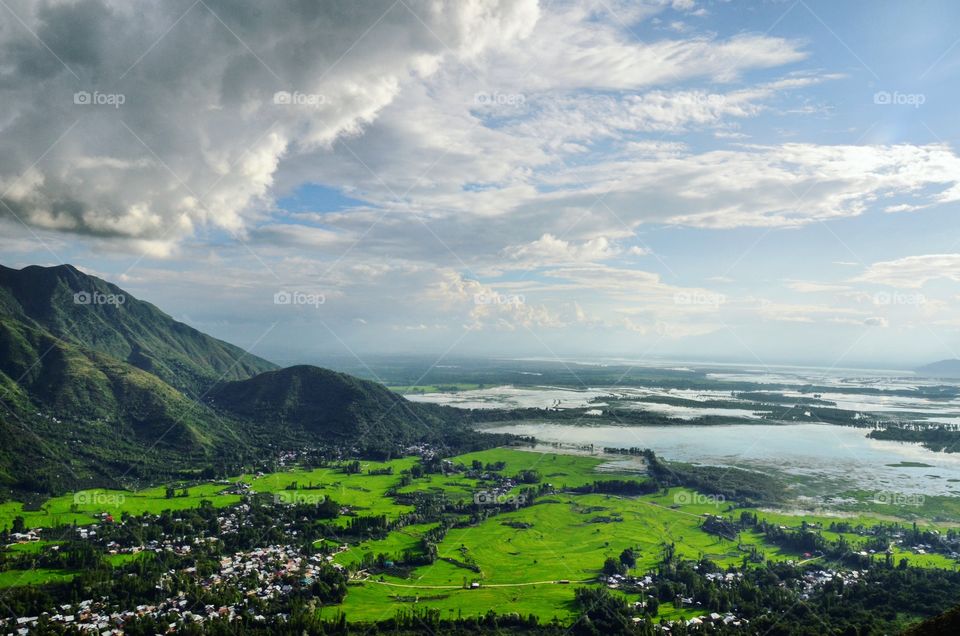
[[262, 574], [616, 581], [924, 548], [724, 578], [267, 573], [714, 618], [639, 584], [95, 617], [26, 536], [425, 451], [497, 494], [810, 582], [818, 578], [86, 615]]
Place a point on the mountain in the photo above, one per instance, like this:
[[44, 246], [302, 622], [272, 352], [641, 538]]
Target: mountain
[[334, 406], [99, 391], [84, 310], [942, 369], [946, 623], [79, 417]]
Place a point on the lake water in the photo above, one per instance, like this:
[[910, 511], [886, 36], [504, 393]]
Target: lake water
[[840, 458], [945, 411], [837, 453]]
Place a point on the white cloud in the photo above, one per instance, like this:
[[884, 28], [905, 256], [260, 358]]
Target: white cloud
[[199, 142], [549, 249], [796, 184], [913, 271], [198, 138], [808, 313], [498, 150], [808, 287]]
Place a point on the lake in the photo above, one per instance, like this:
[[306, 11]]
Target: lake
[[837, 453]]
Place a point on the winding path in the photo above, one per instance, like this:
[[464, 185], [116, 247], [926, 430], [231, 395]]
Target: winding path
[[460, 587]]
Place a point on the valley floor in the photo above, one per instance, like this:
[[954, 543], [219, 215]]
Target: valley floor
[[462, 541]]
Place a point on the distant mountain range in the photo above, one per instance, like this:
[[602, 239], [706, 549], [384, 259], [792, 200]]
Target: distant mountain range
[[942, 369], [99, 388]]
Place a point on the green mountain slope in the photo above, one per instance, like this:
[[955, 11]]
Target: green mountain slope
[[84, 310], [88, 418], [121, 395], [331, 405], [942, 625]]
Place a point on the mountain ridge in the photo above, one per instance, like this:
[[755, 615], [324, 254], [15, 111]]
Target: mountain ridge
[[95, 391], [948, 368], [86, 310], [358, 409]]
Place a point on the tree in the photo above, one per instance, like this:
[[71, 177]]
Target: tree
[[612, 566], [528, 477]]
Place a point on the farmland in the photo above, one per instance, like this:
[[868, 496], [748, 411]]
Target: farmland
[[504, 553]]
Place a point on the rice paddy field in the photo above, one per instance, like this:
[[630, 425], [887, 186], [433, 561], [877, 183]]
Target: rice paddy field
[[527, 561]]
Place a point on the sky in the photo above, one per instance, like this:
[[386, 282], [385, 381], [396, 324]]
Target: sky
[[766, 182]]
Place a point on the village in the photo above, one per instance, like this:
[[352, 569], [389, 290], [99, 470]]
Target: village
[[254, 561], [265, 576]]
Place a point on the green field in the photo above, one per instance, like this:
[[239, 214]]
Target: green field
[[526, 561], [519, 567], [12, 578]]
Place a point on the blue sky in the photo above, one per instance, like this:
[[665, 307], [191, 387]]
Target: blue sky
[[767, 182]]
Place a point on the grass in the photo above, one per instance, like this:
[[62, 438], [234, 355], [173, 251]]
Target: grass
[[564, 536], [561, 470], [38, 576], [363, 492], [671, 613], [30, 547], [939, 508], [519, 568], [119, 560], [373, 601], [50, 515]]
